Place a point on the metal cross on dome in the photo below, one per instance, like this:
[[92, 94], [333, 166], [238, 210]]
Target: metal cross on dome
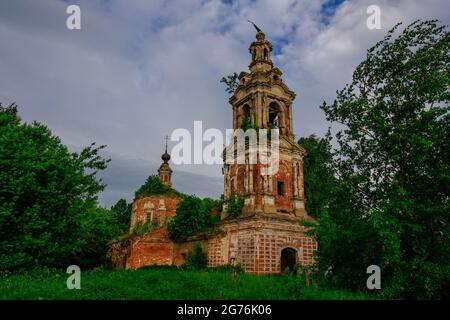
[[167, 139]]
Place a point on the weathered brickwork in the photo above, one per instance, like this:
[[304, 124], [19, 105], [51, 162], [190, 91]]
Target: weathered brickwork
[[154, 248], [263, 99], [256, 243], [156, 209]]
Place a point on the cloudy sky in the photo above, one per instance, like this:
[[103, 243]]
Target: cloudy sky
[[139, 69]]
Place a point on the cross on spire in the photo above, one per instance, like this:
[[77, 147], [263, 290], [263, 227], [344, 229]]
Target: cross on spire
[[166, 155], [166, 138]]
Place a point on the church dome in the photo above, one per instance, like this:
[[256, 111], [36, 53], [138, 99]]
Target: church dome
[[165, 157]]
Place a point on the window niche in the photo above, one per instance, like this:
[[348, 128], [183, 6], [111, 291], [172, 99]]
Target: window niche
[[274, 116], [280, 188]]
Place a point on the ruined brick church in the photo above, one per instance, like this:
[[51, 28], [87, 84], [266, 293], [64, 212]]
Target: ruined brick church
[[266, 237]]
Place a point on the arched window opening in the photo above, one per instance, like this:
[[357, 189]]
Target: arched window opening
[[148, 210], [246, 110], [149, 216], [246, 121], [266, 56], [273, 116]]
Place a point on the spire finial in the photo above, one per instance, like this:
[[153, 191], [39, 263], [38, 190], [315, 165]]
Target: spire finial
[[256, 27]]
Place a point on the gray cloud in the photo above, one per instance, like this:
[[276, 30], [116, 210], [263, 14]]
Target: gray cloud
[[125, 175], [140, 69]]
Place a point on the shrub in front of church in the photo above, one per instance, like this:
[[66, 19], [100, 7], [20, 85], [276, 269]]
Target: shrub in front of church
[[193, 215], [196, 259]]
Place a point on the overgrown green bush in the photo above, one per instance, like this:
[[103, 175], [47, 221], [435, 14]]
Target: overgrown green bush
[[197, 258], [248, 124], [139, 230], [235, 204], [193, 215], [154, 186]]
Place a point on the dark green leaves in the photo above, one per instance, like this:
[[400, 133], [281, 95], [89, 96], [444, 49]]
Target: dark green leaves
[[392, 166], [193, 215], [231, 81], [48, 211]]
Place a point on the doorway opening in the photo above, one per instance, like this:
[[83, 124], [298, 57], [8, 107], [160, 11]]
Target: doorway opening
[[288, 259]]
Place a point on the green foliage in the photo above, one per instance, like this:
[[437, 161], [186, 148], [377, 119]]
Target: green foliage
[[235, 204], [196, 259], [231, 81], [248, 124], [98, 227], [162, 283], [319, 174], [48, 211], [154, 186], [140, 229], [193, 215], [122, 211], [391, 205], [226, 268]]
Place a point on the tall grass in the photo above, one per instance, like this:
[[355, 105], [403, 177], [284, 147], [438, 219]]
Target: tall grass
[[162, 283]]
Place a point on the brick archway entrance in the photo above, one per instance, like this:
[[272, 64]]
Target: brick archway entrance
[[288, 259]]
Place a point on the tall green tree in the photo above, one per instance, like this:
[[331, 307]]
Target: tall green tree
[[392, 161], [47, 197], [319, 173], [122, 210]]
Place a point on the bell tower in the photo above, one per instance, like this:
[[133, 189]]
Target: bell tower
[[263, 100]]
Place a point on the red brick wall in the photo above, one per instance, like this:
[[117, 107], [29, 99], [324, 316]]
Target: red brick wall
[[257, 244], [139, 212], [283, 203], [284, 174], [155, 247]]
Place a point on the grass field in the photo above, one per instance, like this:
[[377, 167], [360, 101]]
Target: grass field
[[161, 283]]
